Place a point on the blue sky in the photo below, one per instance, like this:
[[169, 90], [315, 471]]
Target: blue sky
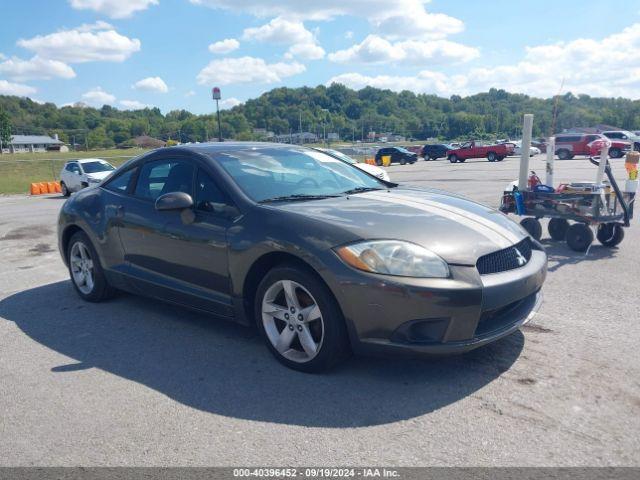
[[169, 53]]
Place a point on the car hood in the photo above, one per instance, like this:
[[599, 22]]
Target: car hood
[[372, 169], [99, 175], [457, 229]]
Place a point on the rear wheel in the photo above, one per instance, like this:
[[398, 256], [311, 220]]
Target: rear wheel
[[64, 190], [533, 227], [378, 162], [300, 320], [579, 237], [453, 158], [558, 228], [563, 154], [492, 157], [87, 275], [610, 234]]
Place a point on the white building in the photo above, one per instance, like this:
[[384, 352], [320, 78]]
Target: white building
[[32, 143]]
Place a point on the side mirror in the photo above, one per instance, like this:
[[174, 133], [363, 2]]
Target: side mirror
[[174, 201]]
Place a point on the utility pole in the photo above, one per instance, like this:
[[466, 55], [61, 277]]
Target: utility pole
[[215, 93]]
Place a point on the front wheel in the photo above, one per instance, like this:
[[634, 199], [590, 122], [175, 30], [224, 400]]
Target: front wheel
[[87, 276], [300, 320], [64, 190], [615, 153]]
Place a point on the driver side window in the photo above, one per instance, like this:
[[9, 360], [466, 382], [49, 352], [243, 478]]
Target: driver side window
[[208, 196], [164, 176]]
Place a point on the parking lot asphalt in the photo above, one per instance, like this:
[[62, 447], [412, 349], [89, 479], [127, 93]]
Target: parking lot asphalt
[[134, 382]]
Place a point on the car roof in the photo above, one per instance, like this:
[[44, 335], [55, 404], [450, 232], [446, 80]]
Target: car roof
[[86, 160]]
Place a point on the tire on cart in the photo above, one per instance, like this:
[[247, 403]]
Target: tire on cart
[[579, 237], [533, 227], [558, 229], [610, 234]]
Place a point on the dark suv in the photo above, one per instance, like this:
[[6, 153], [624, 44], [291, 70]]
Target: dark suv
[[625, 136], [435, 151], [398, 155]]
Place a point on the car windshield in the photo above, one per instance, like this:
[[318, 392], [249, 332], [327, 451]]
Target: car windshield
[[97, 166], [271, 174], [341, 156], [403, 150]]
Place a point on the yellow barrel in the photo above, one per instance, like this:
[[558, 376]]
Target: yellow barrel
[[386, 160]]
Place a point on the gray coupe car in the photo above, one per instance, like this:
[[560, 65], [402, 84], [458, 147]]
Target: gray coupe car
[[322, 257]]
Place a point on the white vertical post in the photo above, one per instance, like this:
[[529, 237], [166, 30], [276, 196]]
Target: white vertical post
[[604, 155], [551, 154], [527, 128]]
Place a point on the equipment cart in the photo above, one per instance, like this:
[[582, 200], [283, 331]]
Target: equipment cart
[[600, 206]]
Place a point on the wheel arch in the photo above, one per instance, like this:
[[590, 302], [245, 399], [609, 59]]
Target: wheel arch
[[67, 233], [259, 269]]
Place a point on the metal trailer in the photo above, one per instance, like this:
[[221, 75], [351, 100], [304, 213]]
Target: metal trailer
[[602, 213]]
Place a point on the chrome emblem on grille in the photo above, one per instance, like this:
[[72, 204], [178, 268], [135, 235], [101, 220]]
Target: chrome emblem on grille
[[520, 258]]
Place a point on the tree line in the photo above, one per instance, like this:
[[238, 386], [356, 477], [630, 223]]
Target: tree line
[[350, 113]]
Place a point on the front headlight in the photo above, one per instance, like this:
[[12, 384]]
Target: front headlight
[[394, 257], [94, 180]]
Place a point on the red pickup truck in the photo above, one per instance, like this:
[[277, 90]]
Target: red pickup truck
[[569, 145], [493, 153]]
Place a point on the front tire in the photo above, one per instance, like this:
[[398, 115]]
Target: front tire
[[87, 276], [300, 320], [64, 190]]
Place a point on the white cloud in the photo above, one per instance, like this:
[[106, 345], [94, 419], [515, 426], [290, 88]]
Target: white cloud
[[190, 93], [97, 97], [401, 18], [587, 66], [425, 82], [348, 35], [151, 84], [246, 70], [133, 105], [305, 51], [224, 46], [113, 8], [8, 88], [87, 43], [283, 31], [229, 103], [375, 50], [35, 68]]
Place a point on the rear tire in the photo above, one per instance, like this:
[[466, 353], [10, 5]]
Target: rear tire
[[378, 162], [453, 158], [558, 229], [579, 237], [492, 157], [87, 276], [287, 339], [563, 154], [533, 227], [610, 234]]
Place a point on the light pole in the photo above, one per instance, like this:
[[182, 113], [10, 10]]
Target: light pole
[[215, 93]]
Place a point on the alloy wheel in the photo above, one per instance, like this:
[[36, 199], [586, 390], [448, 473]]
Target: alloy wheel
[[82, 268], [292, 321]]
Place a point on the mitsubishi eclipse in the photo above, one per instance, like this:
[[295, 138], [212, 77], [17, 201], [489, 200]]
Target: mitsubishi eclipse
[[323, 258]]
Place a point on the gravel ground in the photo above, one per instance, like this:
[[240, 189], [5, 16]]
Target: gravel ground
[[133, 382]]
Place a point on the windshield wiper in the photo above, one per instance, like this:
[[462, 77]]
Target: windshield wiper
[[298, 196], [361, 190]]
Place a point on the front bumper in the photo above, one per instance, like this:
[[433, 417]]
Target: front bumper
[[439, 316]]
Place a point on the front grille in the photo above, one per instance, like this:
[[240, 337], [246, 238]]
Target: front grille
[[507, 259]]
